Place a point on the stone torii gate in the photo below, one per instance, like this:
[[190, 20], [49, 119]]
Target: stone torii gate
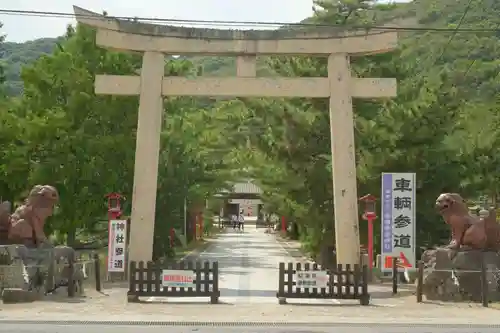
[[154, 41]]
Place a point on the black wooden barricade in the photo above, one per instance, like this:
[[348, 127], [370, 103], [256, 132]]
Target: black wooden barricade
[[146, 281], [342, 283]]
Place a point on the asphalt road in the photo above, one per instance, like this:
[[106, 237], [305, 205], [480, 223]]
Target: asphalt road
[[334, 328]]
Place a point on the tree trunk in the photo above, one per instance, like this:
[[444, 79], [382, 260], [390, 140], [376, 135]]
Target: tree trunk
[[71, 238]]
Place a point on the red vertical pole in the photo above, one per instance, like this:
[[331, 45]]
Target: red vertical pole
[[201, 225], [370, 242], [195, 226], [172, 237], [283, 224]]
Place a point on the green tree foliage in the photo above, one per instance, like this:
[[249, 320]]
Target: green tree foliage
[[84, 144], [443, 125], [2, 65]]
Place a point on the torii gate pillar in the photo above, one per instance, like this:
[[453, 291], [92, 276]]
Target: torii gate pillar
[[343, 160]]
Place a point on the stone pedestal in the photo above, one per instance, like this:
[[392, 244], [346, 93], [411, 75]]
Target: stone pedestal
[[18, 295], [459, 279]]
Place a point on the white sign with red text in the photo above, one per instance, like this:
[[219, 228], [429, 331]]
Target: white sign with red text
[[177, 278]]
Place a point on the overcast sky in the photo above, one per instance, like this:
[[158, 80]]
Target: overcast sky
[[23, 28]]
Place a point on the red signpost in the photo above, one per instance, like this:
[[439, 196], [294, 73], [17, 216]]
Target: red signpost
[[369, 215], [114, 213], [172, 237]]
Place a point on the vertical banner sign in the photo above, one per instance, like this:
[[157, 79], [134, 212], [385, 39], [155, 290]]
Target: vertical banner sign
[[398, 220], [117, 244]]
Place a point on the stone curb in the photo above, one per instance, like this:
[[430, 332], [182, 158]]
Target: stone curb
[[153, 320]]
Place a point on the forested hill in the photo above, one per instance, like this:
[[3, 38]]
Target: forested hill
[[16, 55]]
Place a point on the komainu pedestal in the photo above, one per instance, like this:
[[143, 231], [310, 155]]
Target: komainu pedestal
[[458, 277]]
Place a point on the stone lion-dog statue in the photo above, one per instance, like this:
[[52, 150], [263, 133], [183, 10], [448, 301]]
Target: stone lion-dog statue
[[468, 232], [23, 231]]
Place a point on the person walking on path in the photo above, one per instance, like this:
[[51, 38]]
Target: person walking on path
[[234, 221], [241, 221]]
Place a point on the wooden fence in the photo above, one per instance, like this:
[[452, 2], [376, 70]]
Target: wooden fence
[[343, 283], [192, 279]]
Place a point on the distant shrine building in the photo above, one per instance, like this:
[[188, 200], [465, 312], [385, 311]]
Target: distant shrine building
[[243, 197]]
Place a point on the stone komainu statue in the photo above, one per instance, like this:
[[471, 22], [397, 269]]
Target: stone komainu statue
[[23, 230], [451, 272], [468, 231], [25, 225]]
